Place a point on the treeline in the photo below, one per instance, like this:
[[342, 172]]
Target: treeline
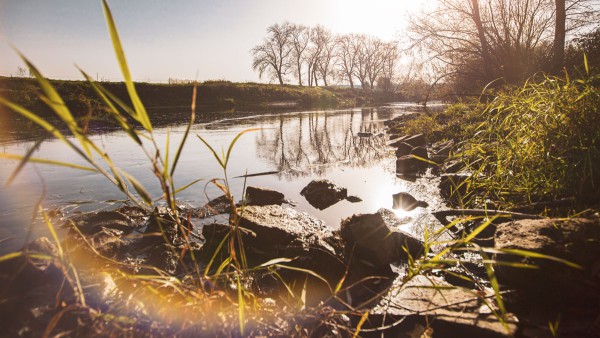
[[472, 43], [314, 56]]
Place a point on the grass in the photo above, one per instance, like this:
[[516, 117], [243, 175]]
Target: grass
[[531, 144]]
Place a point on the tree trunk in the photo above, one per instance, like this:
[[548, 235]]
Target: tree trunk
[[279, 76], [558, 53], [299, 72], [485, 51]]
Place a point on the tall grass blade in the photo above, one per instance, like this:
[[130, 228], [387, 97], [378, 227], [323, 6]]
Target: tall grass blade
[[100, 91], [139, 188], [187, 129], [361, 322], [22, 163], [46, 161], [141, 114], [237, 137]]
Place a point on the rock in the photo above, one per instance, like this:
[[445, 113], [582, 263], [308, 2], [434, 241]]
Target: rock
[[403, 149], [407, 202], [270, 232], [442, 148], [91, 223], [218, 206], [162, 227], [353, 199], [322, 194], [368, 238], [262, 196], [575, 240], [423, 303], [416, 141], [410, 166], [397, 141], [452, 186], [421, 152]]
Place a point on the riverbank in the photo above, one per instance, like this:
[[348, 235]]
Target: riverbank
[[213, 95]]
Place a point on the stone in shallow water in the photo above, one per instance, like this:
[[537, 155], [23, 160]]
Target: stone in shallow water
[[322, 194], [262, 196], [407, 202]]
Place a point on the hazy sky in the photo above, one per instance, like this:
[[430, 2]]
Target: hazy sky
[[176, 38]]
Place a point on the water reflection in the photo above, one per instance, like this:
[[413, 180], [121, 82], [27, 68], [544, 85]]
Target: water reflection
[[312, 144]]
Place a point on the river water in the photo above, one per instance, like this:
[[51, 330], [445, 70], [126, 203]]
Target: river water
[[299, 146]]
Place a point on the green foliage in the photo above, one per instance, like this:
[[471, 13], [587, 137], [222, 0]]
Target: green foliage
[[540, 142]]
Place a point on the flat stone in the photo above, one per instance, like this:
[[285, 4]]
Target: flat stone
[[262, 196], [449, 312]]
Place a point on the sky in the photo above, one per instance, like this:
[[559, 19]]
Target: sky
[[184, 39]]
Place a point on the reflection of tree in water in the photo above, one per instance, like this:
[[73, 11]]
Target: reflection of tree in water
[[312, 143]]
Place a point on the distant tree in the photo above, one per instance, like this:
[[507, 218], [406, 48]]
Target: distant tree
[[273, 55], [346, 57], [21, 72], [325, 59], [300, 39]]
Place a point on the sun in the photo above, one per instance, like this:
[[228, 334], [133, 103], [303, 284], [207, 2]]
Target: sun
[[386, 19]]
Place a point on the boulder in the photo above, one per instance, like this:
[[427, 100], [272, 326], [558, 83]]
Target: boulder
[[162, 227], [426, 307], [453, 185], [576, 240], [420, 151], [353, 199], [322, 194], [407, 202], [417, 140], [403, 149], [262, 196], [368, 238], [276, 232], [410, 166], [397, 141], [94, 222]]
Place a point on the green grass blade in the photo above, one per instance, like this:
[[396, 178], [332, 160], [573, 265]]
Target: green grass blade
[[54, 101], [139, 188], [100, 91], [212, 151], [10, 256], [141, 114], [22, 163], [234, 141], [187, 130], [187, 185], [241, 304], [47, 161]]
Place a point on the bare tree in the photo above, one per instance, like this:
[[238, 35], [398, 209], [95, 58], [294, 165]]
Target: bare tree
[[300, 38], [273, 56], [346, 57], [326, 57]]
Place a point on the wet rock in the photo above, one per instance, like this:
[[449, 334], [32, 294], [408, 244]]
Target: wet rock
[[416, 141], [322, 194], [421, 152], [162, 226], [575, 240], [218, 206], [369, 239], [403, 149], [107, 242], [410, 166], [262, 196], [398, 141], [407, 202], [94, 222], [353, 199], [423, 303]]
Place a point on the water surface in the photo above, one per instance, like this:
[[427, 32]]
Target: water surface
[[299, 146]]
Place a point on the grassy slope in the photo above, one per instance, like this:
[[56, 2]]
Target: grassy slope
[[216, 94]]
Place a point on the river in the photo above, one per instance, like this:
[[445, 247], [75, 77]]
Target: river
[[299, 146]]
